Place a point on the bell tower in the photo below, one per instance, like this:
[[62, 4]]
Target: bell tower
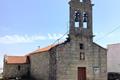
[[81, 18]]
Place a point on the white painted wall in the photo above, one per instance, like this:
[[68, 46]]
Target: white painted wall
[[113, 57]]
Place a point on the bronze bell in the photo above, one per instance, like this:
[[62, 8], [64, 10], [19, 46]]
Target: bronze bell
[[85, 19], [77, 17], [85, 15]]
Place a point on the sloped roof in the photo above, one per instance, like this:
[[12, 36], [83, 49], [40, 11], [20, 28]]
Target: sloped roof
[[45, 49], [16, 59]]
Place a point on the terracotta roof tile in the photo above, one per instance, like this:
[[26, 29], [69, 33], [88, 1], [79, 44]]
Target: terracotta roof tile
[[45, 49], [16, 59]]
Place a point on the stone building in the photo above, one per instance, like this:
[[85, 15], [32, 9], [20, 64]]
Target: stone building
[[15, 66], [77, 58]]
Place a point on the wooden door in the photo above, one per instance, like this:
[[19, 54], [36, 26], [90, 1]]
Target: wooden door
[[81, 73]]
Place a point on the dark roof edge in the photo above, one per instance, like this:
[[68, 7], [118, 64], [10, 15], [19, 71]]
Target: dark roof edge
[[99, 46], [17, 63]]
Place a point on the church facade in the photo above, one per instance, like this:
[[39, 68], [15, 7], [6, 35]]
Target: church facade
[[77, 58]]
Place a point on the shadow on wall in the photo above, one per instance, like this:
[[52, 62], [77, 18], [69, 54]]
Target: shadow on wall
[[20, 78], [113, 76]]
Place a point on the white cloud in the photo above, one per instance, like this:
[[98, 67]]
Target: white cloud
[[54, 36], [13, 39]]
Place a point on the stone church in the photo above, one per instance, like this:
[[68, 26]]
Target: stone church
[[77, 58]]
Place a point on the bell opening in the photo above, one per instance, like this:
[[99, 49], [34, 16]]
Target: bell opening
[[77, 16], [76, 24], [84, 24]]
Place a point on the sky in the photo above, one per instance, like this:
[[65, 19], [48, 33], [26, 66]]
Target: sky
[[26, 25]]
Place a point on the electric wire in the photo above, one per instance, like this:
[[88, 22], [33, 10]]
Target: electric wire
[[107, 34], [60, 37]]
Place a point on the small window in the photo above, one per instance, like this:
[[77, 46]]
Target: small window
[[82, 56], [81, 46], [85, 19], [19, 67]]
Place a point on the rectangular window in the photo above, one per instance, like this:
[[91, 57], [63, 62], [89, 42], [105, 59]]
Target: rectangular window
[[82, 56], [19, 67], [81, 46]]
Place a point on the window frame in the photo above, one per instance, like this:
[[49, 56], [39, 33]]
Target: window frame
[[82, 56]]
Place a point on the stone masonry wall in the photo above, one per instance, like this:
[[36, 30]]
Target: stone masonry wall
[[52, 64], [100, 60], [39, 67], [11, 70], [68, 60]]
